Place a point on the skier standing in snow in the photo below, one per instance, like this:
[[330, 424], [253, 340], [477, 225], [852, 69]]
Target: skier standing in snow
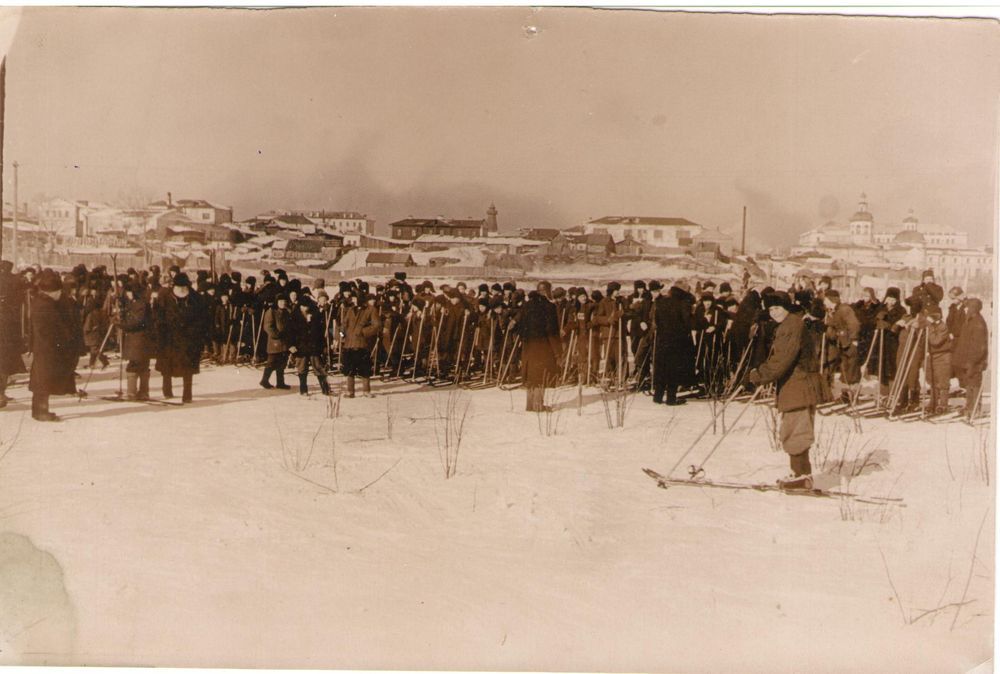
[[971, 353], [792, 366], [183, 324], [541, 351], [360, 330], [136, 320], [275, 326]]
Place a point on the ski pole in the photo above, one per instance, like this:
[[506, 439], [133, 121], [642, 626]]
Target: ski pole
[[700, 468]]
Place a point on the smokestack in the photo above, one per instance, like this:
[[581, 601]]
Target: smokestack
[[170, 199]]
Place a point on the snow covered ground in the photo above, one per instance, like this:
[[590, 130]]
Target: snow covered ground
[[249, 529]]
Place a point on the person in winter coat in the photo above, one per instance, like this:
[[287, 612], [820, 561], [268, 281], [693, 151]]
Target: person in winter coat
[[607, 319], [183, 325], [792, 366], [360, 330], [910, 358], [95, 326], [843, 331], [674, 350], [866, 309], [956, 311], [928, 292], [307, 345], [541, 350], [138, 341], [56, 335], [275, 326], [971, 354], [11, 340], [887, 333], [938, 369]]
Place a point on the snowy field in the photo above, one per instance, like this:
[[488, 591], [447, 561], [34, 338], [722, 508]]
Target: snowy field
[[251, 529]]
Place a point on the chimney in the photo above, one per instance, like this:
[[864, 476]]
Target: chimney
[[170, 199]]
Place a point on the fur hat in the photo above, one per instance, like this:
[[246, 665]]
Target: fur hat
[[49, 281], [559, 293], [639, 284], [892, 292], [596, 295], [655, 286], [483, 288], [279, 297], [509, 285], [707, 297], [926, 273], [344, 287], [400, 276], [778, 298], [827, 280], [496, 287], [613, 286], [182, 280], [724, 287]]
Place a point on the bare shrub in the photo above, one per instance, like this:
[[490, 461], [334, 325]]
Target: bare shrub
[[617, 404], [449, 424]]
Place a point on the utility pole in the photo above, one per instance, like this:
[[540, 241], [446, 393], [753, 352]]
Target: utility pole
[[743, 243], [14, 239]]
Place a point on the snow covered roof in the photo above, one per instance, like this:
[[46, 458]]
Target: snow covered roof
[[643, 220], [85, 250]]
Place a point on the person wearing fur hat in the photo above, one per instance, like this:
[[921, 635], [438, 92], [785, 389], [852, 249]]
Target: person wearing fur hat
[[673, 358], [276, 327], [843, 331], [970, 355], [956, 311], [96, 321], [184, 325], [56, 343], [928, 292], [541, 350], [306, 344], [887, 330], [138, 341], [938, 365], [607, 319], [791, 365], [360, 330]]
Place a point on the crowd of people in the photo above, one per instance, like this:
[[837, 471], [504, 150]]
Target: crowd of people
[[672, 340]]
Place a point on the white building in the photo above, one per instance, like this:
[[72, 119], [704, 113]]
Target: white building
[[340, 222], [911, 243], [669, 232]]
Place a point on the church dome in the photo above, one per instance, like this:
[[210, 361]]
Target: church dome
[[862, 216], [909, 236]]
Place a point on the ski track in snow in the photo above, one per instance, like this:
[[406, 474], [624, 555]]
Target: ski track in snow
[[183, 541]]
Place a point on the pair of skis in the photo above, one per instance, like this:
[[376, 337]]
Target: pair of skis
[[664, 482]]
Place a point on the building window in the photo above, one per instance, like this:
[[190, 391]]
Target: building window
[[205, 216], [658, 235]]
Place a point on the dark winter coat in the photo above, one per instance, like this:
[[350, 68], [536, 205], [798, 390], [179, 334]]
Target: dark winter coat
[[361, 327], [183, 328], [275, 325], [673, 319], [11, 340], [57, 341], [139, 343], [307, 334], [541, 349], [791, 364], [971, 351], [95, 322]]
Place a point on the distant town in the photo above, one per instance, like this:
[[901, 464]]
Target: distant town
[[864, 251]]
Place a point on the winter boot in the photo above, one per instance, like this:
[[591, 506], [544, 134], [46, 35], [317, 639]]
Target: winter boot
[[350, 387], [324, 386], [265, 380], [188, 384], [303, 385], [280, 379], [796, 482], [40, 408], [366, 387], [131, 386], [143, 393], [168, 387]]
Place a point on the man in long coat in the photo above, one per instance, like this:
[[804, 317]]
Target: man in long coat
[[674, 356], [541, 349], [183, 326], [11, 341], [792, 366], [971, 353], [56, 342], [138, 340]]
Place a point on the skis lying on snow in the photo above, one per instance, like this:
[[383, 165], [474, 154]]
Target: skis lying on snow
[[115, 399], [664, 482]]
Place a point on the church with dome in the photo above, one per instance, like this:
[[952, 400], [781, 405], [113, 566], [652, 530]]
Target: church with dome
[[908, 244]]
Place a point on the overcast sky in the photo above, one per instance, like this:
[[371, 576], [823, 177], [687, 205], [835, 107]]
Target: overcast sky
[[556, 115]]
